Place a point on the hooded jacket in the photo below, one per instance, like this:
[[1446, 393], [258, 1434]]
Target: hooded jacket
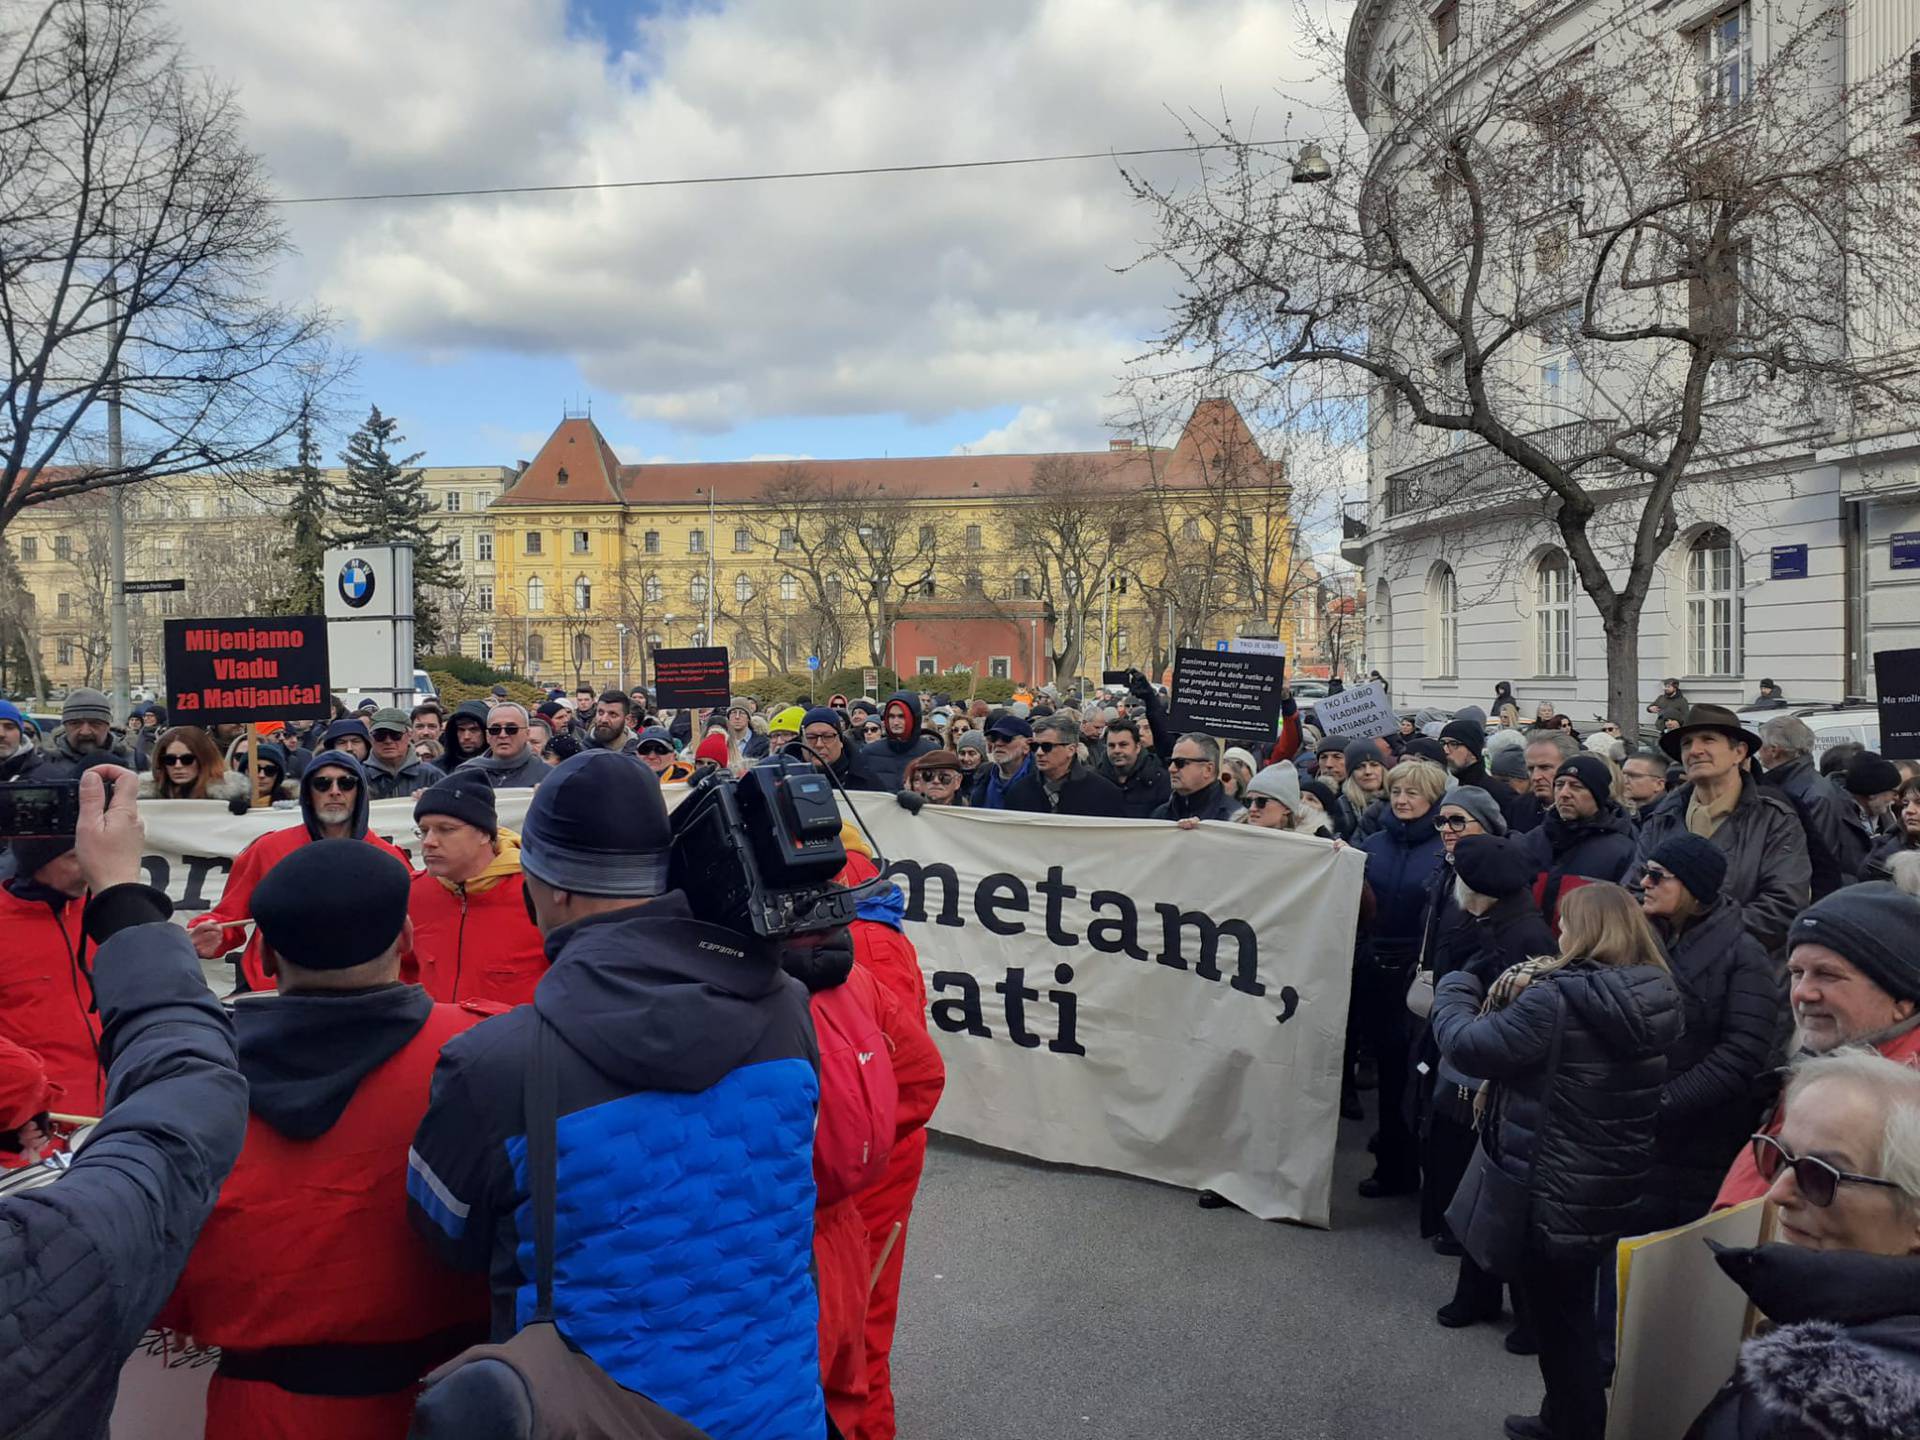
[[1843, 1362], [1719, 1068], [472, 939], [22, 763], [1581, 1138], [1599, 847], [887, 758], [1144, 788], [46, 991], [327, 1311], [450, 758], [520, 774], [1767, 867], [686, 1061], [251, 865]]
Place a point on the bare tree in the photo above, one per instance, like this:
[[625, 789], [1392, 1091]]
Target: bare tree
[[1567, 282], [19, 623], [1079, 535], [140, 234]]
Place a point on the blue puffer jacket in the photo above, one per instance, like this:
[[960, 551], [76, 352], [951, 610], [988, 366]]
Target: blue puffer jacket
[[684, 1218], [1401, 858]]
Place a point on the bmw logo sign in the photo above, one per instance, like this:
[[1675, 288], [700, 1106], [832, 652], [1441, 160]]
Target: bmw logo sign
[[356, 583]]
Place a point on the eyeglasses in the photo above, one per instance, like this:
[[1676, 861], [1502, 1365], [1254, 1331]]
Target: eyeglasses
[[1818, 1181], [818, 737], [1180, 762], [1454, 822], [178, 759], [345, 784], [503, 729]]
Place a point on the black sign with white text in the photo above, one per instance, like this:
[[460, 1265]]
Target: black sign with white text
[[1230, 696], [694, 677], [1896, 675]]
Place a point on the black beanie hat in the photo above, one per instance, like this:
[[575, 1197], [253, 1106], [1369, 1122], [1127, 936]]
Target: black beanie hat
[[1872, 926], [1490, 865], [1698, 864], [1592, 773], [1871, 774], [464, 797], [1422, 748], [1473, 736], [333, 904], [1320, 791]]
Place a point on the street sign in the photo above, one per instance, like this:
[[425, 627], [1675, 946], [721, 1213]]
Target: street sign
[[870, 681], [152, 587], [1904, 550], [1221, 646], [813, 662], [1788, 562]]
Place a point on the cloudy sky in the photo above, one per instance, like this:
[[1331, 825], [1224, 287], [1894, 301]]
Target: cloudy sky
[[857, 316]]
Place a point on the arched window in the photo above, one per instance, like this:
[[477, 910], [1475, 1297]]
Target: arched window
[[582, 649], [697, 589], [536, 649], [1712, 615], [1443, 622], [1022, 585], [536, 594], [742, 588], [789, 589], [1553, 615], [582, 595], [654, 590]]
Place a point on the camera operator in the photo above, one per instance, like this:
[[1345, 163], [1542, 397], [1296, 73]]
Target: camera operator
[[86, 1261], [687, 1085]]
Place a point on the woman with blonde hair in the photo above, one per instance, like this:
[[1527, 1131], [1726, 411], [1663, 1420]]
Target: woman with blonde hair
[[1574, 1047], [187, 766]]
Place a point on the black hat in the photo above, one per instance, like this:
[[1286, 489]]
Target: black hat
[[1872, 926], [1592, 773], [352, 728], [333, 904], [598, 826], [1490, 865], [1710, 717], [464, 797], [1698, 864], [1871, 774], [1333, 742], [1467, 733], [1320, 791], [1420, 747]]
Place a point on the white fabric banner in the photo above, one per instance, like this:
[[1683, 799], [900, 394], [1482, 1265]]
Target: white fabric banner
[[1119, 994]]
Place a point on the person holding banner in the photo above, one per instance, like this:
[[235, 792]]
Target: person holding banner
[[1194, 773]]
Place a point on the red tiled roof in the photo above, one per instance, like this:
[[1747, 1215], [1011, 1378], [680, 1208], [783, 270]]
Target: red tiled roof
[[595, 475]]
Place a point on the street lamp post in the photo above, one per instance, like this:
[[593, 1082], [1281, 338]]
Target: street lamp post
[[620, 629]]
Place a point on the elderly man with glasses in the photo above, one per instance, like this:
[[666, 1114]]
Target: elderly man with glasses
[[510, 761], [828, 749]]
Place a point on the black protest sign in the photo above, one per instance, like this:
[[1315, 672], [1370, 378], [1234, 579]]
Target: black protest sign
[[1229, 695], [694, 677], [234, 672], [1897, 677]]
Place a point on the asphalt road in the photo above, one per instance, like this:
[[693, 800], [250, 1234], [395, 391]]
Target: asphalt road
[[1045, 1302]]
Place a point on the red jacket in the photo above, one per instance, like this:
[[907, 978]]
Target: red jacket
[[475, 946], [46, 997], [236, 900], [310, 1245]]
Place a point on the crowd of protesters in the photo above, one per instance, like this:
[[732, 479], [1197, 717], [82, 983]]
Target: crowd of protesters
[[1583, 966]]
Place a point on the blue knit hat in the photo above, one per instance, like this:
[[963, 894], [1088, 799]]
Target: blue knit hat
[[11, 711], [821, 715], [598, 826]]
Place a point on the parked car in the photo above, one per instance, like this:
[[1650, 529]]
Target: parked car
[[1832, 724], [1308, 690]]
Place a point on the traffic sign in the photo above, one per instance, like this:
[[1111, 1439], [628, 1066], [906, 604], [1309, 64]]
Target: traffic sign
[[1220, 645], [813, 662], [152, 587]]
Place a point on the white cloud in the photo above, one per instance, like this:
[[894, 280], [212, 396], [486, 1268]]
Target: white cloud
[[704, 307]]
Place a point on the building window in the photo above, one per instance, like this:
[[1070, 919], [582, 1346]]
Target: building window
[[650, 544], [654, 640], [479, 499], [789, 589], [62, 547], [536, 649], [1243, 526], [453, 502], [976, 583], [924, 588], [927, 665], [1120, 640], [1443, 621], [973, 537], [926, 537], [30, 548], [742, 589], [1710, 604], [1553, 615], [536, 594], [1446, 31], [999, 667], [582, 648], [582, 542], [1561, 396], [1022, 585], [1913, 86], [534, 546], [742, 540], [1726, 61], [696, 542], [789, 539], [1190, 528], [697, 589], [66, 652], [63, 606], [653, 590], [833, 589], [483, 545], [582, 595], [486, 646], [453, 550], [485, 598]]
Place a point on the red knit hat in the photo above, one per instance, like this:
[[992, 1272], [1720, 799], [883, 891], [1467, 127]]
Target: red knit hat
[[713, 748]]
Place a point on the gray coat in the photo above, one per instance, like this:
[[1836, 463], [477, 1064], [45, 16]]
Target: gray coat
[[522, 774], [413, 776], [1767, 868]]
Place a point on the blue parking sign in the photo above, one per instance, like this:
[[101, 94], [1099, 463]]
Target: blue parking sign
[[813, 662], [1220, 645]]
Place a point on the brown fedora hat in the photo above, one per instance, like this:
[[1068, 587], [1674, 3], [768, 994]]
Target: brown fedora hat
[[1710, 717]]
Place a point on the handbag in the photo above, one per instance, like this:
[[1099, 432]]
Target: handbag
[[1492, 1211], [561, 1394], [1420, 994]]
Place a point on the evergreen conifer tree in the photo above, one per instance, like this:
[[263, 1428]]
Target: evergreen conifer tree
[[384, 501], [309, 515]]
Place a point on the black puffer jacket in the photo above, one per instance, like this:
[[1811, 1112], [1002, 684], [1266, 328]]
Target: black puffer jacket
[[1585, 1132], [1767, 867], [1735, 1002], [1844, 1362], [1599, 848]]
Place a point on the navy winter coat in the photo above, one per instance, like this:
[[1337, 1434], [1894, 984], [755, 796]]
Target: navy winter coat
[[1401, 858], [684, 1226], [86, 1262], [1586, 1135]]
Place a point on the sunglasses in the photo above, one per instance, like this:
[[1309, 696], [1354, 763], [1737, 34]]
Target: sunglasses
[[1653, 874], [345, 784], [1257, 803], [1818, 1181], [503, 729], [1453, 822], [656, 750], [172, 760], [936, 777], [1180, 762], [1047, 747]]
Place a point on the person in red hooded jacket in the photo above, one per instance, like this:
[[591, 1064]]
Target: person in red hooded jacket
[[881, 950], [327, 1306], [26, 1095], [333, 806], [46, 986], [472, 939]]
